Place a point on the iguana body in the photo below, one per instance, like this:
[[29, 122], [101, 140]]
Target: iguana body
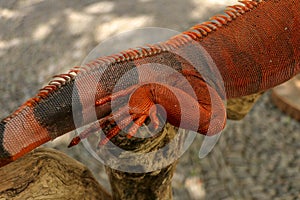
[[254, 48]]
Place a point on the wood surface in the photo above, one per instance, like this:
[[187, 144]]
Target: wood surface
[[48, 174], [287, 97]]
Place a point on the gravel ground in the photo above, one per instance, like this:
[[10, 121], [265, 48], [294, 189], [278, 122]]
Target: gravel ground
[[256, 158]]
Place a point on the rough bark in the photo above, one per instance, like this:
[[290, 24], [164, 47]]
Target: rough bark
[[48, 174], [238, 108], [147, 184], [153, 185]]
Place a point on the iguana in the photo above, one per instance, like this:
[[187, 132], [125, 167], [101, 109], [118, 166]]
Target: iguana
[[254, 46]]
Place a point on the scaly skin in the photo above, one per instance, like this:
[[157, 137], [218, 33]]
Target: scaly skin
[[254, 47]]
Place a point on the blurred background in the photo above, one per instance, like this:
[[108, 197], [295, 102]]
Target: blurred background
[[256, 158]]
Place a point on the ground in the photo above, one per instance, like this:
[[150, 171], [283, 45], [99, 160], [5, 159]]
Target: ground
[[256, 158]]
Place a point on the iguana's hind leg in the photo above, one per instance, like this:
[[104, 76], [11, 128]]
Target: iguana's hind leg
[[182, 111]]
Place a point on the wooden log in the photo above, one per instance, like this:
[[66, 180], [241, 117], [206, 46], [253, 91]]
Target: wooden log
[[238, 108], [142, 186], [48, 174], [147, 184], [287, 97]]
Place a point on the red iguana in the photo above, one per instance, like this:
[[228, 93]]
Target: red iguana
[[255, 46]]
